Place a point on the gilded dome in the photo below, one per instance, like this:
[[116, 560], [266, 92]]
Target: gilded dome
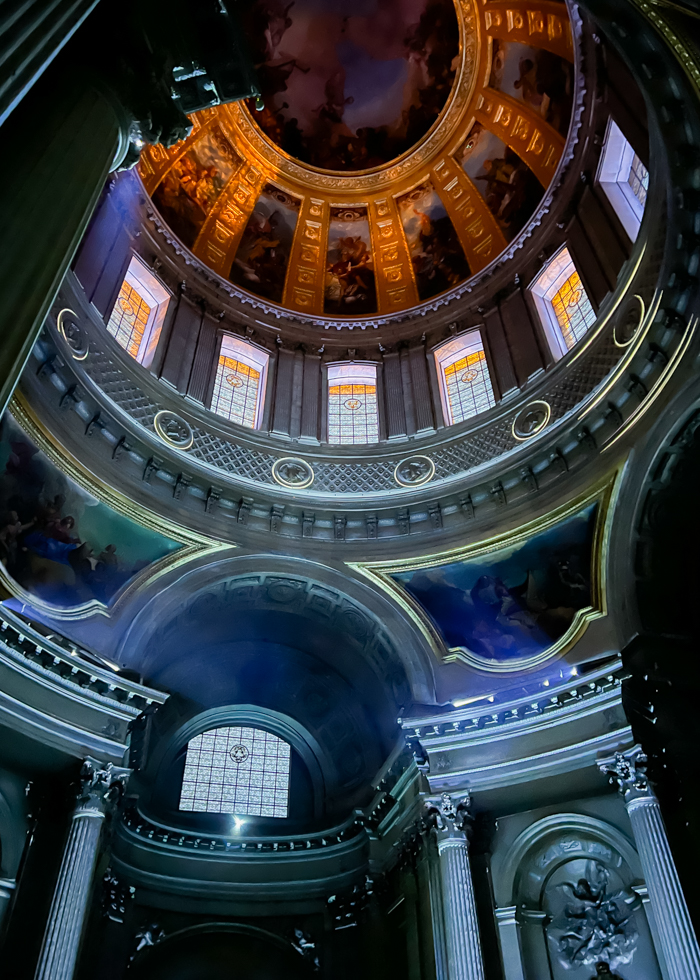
[[397, 152]]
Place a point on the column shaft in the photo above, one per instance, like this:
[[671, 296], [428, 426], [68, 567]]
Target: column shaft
[[437, 915], [59, 952], [67, 134], [459, 909], [674, 929]]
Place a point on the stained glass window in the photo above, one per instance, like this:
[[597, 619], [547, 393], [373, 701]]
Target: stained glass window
[[237, 770], [239, 382], [464, 376], [638, 179], [137, 316], [129, 318], [236, 389], [573, 310], [353, 413], [623, 179], [565, 310]]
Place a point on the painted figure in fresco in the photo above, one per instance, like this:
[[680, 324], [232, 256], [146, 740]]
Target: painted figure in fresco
[[260, 263], [188, 191], [41, 545], [350, 279], [503, 607], [438, 259], [320, 107], [527, 84]]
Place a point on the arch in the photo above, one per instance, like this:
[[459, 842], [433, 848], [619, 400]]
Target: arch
[[187, 951], [513, 890]]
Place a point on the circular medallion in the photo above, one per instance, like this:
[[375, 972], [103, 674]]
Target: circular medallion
[[293, 473], [238, 753], [414, 471], [469, 376], [74, 335], [629, 321], [235, 380], [352, 404], [173, 430], [531, 420]]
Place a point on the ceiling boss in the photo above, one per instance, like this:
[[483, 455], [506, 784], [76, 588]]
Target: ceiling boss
[[398, 150]]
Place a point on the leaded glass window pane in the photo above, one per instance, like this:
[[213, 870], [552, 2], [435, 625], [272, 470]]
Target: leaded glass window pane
[[468, 386], [237, 770], [128, 319], [465, 381], [236, 391], [353, 415], [638, 179], [573, 310]]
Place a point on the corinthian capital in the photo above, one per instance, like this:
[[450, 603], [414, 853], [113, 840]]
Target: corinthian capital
[[448, 817], [101, 785], [629, 771]]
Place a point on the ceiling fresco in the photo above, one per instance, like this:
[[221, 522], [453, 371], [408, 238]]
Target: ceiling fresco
[[352, 90], [511, 604], [58, 543], [401, 147]]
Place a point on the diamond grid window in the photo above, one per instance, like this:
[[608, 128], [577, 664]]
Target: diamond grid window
[[624, 179], [237, 770], [137, 316], [465, 381], [565, 311], [353, 412], [239, 382]]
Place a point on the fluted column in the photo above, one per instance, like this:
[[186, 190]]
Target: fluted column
[[463, 946], [59, 953], [680, 955]]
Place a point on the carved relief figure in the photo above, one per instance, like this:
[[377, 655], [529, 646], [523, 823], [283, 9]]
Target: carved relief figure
[[350, 90], [350, 287], [261, 261], [595, 926]]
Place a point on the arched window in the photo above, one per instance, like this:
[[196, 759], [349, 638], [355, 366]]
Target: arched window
[[353, 414], [239, 385], [137, 316], [237, 770], [563, 305], [465, 382], [624, 179]]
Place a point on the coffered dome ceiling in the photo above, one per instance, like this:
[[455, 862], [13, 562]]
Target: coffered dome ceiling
[[398, 151]]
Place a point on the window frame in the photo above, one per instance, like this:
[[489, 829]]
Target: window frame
[[612, 177], [144, 281], [444, 358], [351, 372], [253, 356], [542, 295], [281, 795]]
